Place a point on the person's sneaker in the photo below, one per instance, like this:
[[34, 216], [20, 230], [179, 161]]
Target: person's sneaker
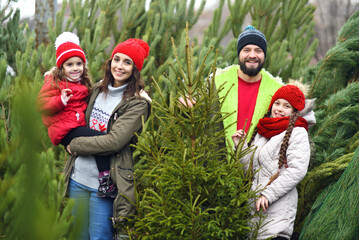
[[120, 235], [107, 188]]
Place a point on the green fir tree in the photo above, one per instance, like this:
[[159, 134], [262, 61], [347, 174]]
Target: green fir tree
[[289, 30], [334, 83], [187, 187], [32, 205], [13, 35], [334, 214]]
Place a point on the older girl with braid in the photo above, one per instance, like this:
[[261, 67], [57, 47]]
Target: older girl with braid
[[280, 161]]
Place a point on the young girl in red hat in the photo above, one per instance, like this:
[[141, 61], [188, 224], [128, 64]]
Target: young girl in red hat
[[280, 161], [62, 102]]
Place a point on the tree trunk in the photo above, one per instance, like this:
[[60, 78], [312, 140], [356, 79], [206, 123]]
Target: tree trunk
[[44, 10]]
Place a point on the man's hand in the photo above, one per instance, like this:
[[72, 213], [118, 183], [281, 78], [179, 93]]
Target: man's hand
[[237, 136], [187, 102]]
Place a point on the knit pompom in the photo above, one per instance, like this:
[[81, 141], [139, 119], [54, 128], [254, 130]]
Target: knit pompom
[[251, 35], [67, 45], [249, 27], [66, 37], [290, 93], [302, 86]]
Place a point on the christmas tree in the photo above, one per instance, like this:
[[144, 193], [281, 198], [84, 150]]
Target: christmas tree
[[334, 215], [187, 187], [334, 83]]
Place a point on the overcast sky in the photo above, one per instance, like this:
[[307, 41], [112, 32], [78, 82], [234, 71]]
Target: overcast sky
[[27, 7]]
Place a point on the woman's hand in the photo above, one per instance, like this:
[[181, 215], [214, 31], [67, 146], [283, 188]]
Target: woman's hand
[[262, 202], [237, 136], [68, 149]]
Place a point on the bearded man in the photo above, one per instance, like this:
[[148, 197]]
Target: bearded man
[[249, 86]]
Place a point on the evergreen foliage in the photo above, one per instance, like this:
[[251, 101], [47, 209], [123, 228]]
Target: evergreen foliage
[[12, 36], [334, 214], [32, 205], [334, 83], [289, 30], [100, 25], [339, 121], [6, 92], [188, 188], [340, 65], [316, 180]]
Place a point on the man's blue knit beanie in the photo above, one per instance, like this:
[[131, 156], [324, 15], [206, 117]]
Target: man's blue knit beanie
[[251, 35]]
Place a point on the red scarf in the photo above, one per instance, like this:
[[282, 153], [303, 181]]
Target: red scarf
[[269, 127]]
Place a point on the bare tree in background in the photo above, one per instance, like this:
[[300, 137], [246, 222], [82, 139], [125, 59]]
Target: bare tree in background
[[330, 16], [44, 10]]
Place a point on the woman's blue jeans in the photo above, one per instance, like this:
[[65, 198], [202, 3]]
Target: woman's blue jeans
[[92, 213]]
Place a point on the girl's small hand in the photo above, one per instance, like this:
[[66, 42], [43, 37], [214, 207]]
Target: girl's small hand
[[237, 136], [66, 95], [262, 202]]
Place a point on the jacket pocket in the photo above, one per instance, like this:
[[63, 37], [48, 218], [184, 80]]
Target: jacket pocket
[[126, 174]]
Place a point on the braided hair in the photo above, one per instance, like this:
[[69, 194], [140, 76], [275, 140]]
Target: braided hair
[[284, 146]]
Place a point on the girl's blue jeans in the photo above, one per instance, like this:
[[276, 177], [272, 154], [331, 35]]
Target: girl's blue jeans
[[92, 213]]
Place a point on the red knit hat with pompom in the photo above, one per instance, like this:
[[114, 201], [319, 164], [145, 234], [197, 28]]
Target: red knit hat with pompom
[[292, 94], [67, 45], [135, 48]]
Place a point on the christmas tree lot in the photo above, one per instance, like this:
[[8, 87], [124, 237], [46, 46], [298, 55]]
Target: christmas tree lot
[[189, 184]]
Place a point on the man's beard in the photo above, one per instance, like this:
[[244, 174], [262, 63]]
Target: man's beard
[[251, 71]]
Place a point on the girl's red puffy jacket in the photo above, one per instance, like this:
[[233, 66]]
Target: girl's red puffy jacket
[[58, 118]]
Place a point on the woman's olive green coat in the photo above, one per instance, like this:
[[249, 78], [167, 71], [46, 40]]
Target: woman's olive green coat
[[125, 121]]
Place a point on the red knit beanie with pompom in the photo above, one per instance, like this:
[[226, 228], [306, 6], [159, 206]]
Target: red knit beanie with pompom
[[292, 94], [67, 45], [135, 48]]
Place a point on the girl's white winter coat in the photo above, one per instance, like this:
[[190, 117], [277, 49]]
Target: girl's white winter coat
[[281, 193]]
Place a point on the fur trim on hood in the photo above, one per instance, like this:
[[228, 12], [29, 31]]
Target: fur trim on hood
[[144, 95], [307, 113]]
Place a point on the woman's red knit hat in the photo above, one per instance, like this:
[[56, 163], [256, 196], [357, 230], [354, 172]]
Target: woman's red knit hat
[[67, 45], [292, 94], [135, 48]]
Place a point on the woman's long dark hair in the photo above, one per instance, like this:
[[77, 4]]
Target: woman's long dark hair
[[284, 146], [134, 84]]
